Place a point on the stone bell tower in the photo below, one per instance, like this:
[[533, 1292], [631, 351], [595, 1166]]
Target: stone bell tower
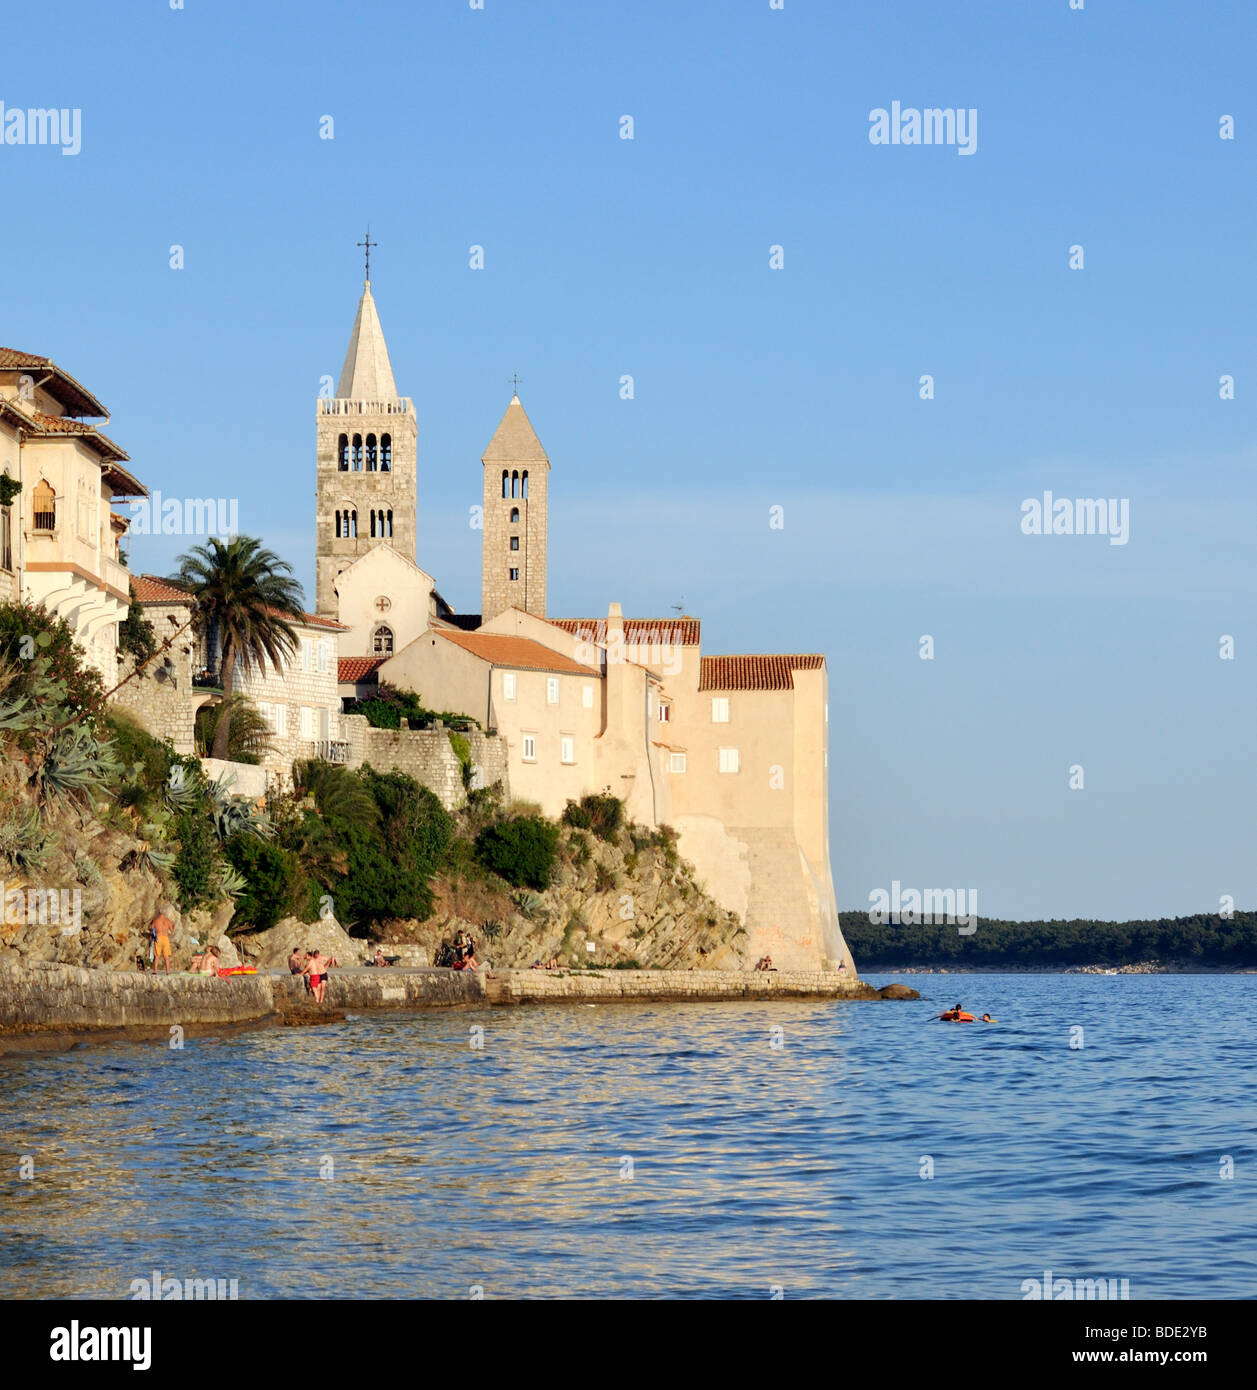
[[367, 461], [513, 544]]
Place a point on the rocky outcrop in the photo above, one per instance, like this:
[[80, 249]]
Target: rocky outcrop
[[269, 950], [635, 907]]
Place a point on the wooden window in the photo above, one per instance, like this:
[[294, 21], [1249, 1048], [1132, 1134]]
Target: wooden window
[[676, 762], [719, 709], [508, 685], [729, 760], [382, 641], [529, 742], [567, 748]]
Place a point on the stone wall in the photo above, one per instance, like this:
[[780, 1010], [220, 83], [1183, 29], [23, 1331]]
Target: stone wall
[[166, 707], [427, 755], [43, 997], [542, 986]]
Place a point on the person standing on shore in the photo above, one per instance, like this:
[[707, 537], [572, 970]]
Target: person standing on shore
[[160, 928], [316, 968]]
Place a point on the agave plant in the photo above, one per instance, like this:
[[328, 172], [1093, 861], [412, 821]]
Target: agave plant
[[528, 903], [230, 880], [75, 762], [22, 841], [235, 815], [184, 787]]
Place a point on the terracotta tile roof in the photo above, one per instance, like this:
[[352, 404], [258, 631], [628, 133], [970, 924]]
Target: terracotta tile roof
[[314, 620], [61, 424], [682, 632], [754, 672], [73, 395], [352, 669], [520, 652], [150, 589]]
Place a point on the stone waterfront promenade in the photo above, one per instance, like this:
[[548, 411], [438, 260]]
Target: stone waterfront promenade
[[52, 1005]]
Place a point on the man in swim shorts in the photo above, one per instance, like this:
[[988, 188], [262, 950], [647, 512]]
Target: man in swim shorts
[[160, 927]]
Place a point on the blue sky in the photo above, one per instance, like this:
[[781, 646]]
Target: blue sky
[[796, 388]]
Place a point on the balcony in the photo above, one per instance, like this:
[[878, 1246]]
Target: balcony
[[398, 405], [117, 575], [332, 750]]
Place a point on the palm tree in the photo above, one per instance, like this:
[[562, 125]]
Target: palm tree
[[245, 593]]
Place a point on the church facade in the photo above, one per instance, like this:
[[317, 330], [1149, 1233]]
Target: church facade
[[731, 751]]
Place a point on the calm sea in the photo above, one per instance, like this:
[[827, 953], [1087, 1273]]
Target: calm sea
[[657, 1151]]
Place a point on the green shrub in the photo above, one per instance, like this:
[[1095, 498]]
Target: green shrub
[[63, 660], [520, 849], [274, 886], [136, 749], [193, 869], [604, 879], [389, 706], [600, 812], [135, 633], [414, 825]]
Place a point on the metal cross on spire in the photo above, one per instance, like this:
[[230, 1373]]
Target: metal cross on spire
[[368, 243], [515, 383]]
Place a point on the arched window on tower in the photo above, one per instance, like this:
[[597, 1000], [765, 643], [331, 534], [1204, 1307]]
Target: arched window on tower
[[357, 454], [342, 453], [389, 518], [523, 484], [373, 523], [514, 484], [353, 525], [386, 453], [372, 458], [514, 513], [382, 641], [506, 483]]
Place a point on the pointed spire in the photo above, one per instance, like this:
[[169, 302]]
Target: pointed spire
[[367, 374], [515, 440]]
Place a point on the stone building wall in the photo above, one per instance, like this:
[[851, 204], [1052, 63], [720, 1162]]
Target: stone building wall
[[427, 755], [166, 707]]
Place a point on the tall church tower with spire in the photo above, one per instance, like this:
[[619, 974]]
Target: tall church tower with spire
[[367, 460], [516, 493]]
